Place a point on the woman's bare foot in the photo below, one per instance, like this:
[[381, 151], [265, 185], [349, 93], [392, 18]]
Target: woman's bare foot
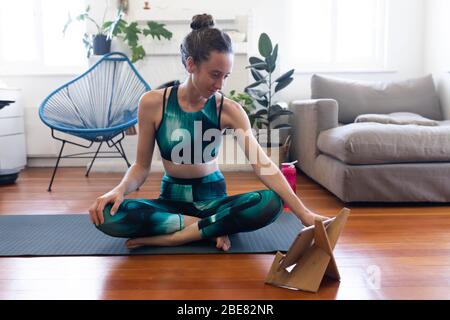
[[223, 242], [189, 233]]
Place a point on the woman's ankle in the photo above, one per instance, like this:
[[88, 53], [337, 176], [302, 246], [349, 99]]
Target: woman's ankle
[[188, 220]]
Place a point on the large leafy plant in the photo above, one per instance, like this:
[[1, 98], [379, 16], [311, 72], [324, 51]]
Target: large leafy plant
[[265, 87], [128, 32], [246, 101]]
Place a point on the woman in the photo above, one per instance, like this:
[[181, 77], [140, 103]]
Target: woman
[[193, 204]]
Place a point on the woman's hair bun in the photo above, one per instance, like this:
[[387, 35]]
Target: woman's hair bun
[[201, 21]]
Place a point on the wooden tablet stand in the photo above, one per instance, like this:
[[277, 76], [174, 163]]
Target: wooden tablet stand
[[310, 256]]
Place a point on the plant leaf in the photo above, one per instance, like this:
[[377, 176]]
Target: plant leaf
[[278, 114], [120, 28], [256, 93], [282, 126], [285, 76], [256, 75], [110, 27], [265, 45], [275, 108], [255, 84], [259, 66], [255, 60], [260, 112], [272, 60], [69, 21], [131, 34], [283, 84], [137, 53], [157, 30], [264, 102]]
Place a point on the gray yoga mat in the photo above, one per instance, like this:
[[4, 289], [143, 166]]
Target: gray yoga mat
[[75, 235]]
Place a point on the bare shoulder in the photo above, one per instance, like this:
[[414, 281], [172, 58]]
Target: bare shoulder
[[151, 99], [231, 107], [151, 103], [233, 115]]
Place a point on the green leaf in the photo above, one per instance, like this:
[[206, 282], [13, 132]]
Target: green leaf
[[131, 34], [260, 112], [265, 45], [255, 60], [283, 84], [137, 53], [272, 60], [87, 41], [282, 126], [252, 119], [256, 93], [255, 84], [69, 21], [120, 28], [264, 102], [256, 75], [275, 108], [285, 76], [112, 28], [157, 30], [279, 113], [259, 66]]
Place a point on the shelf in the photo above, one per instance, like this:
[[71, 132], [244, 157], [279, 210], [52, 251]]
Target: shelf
[[173, 49], [180, 16]]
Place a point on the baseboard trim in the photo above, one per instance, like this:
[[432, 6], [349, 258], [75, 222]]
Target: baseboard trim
[[117, 165]]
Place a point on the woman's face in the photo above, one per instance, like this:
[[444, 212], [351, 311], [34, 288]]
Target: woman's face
[[209, 75]]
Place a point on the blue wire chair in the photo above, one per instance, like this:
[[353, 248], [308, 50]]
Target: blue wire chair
[[97, 106]]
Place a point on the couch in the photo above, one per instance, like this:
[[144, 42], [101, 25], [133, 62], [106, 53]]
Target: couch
[[373, 161]]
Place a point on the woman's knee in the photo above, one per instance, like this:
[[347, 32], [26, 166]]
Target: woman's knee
[[265, 210], [110, 226], [271, 204]]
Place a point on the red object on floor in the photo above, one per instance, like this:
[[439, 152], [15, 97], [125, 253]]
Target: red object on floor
[[290, 173]]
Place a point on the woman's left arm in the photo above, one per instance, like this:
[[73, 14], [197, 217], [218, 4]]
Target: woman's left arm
[[263, 166]]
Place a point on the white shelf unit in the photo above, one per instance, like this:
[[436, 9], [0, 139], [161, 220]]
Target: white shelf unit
[[178, 22], [12, 133]]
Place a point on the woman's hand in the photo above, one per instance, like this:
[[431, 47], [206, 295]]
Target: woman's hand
[[114, 196]]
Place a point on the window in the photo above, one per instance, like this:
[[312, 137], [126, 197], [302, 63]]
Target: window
[[338, 35], [32, 41]]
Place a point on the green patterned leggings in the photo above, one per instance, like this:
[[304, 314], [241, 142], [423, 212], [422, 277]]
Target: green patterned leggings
[[205, 198]]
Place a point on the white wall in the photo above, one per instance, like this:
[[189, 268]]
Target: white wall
[[437, 53], [406, 55]]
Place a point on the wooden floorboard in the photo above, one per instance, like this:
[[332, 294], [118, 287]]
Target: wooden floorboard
[[385, 251]]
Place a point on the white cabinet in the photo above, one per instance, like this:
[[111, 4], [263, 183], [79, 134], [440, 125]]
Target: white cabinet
[[12, 135]]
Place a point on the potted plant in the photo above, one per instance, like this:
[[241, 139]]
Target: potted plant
[[246, 101], [126, 31], [267, 115]]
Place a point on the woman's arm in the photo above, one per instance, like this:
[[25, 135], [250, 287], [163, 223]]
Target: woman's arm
[[149, 110], [236, 118], [139, 170]]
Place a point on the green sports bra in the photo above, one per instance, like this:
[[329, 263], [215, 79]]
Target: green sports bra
[[189, 137]]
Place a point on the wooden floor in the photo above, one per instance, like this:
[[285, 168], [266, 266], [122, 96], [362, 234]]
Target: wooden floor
[[385, 252]]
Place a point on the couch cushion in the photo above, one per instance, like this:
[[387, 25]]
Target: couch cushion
[[401, 118], [376, 143], [361, 97]]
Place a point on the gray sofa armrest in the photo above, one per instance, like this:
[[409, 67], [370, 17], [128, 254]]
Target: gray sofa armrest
[[309, 119]]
